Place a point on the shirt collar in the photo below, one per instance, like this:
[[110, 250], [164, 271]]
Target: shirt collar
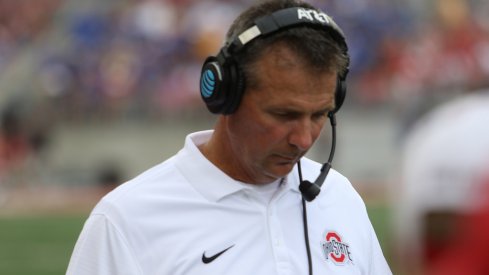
[[209, 180]]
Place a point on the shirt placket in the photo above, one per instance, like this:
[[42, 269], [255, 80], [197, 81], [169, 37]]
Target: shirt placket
[[280, 250]]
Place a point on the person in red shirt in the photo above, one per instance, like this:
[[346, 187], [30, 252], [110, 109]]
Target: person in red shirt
[[468, 252]]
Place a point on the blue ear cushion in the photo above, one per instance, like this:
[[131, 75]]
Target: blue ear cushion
[[212, 86], [208, 83]]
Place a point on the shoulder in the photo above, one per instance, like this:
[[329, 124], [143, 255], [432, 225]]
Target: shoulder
[[136, 195]]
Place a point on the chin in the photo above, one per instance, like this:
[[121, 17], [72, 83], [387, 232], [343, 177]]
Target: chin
[[281, 170]]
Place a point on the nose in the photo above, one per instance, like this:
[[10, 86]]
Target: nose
[[302, 135]]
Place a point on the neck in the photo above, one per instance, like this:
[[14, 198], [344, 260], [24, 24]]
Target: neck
[[218, 151]]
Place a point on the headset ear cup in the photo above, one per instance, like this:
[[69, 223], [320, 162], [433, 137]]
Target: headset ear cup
[[340, 94], [212, 82], [236, 89], [221, 85]]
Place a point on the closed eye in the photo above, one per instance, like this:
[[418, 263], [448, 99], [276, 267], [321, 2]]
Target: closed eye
[[320, 115], [286, 115], [292, 115]]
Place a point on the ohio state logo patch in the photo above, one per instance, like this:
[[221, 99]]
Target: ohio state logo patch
[[335, 250]]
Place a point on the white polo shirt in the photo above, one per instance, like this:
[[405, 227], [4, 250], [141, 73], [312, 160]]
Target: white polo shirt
[[186, 217]]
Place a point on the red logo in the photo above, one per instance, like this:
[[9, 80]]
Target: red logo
[[335, 249]]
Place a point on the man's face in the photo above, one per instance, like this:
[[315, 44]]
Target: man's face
[[279, 120]]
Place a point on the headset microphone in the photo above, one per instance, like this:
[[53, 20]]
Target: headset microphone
[[310, 190]]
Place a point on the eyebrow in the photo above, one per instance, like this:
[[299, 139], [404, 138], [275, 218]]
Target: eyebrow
[[291, 110]]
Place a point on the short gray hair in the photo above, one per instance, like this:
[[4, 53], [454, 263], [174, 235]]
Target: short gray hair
[[317, 48]]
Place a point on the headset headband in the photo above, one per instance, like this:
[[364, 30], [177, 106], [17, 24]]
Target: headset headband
[[283, 19]]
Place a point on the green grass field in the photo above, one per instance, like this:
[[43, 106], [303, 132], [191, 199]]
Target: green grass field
[[38, 245], [43, 245]]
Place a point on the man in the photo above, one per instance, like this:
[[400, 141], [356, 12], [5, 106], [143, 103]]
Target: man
[[229, 201]]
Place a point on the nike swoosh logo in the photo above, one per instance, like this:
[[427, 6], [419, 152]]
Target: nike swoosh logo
[[207, 260]]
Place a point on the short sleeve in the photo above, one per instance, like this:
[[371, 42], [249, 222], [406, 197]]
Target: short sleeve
[[378, 264], [102, 250]]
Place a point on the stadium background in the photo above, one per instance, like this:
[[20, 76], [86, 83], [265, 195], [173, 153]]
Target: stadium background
[[94, 92]]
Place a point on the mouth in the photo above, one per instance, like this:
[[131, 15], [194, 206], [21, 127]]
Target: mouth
[[287, 159]]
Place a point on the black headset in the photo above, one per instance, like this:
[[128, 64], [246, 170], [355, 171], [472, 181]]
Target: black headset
[[222, 83]]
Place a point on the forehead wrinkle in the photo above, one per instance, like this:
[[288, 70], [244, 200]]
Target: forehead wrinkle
[[284, 58], [273, 63]]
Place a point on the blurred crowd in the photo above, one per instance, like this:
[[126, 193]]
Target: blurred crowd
[[143, 58], [20, 23]]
